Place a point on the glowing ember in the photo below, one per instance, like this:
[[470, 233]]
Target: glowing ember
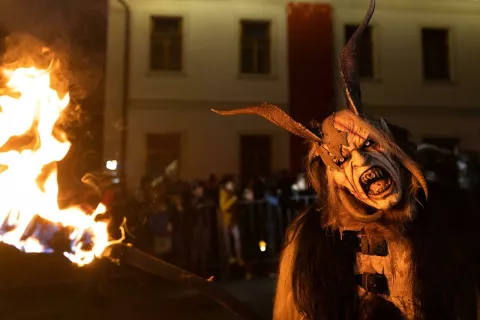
[[28, 176]]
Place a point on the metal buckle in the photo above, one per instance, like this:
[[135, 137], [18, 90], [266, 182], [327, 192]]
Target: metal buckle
[[373, 248], [379, 249], [374, 283], [361, 244]]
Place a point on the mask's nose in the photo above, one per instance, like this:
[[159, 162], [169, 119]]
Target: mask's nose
[[359, 159]]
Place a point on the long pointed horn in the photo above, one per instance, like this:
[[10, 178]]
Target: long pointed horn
[[277, 116], [348, 65]]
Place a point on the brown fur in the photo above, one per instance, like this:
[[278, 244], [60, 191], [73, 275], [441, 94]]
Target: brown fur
[[426, 250], [338, 216]]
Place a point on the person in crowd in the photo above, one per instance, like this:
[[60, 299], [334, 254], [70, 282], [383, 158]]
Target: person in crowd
[[143, 193], [259, 188], [200, 219], [189, 221], [177, 207], [173, 219], [248, 194], [440, 164], [159, 223], [212, 189], [284, 187], [138, 229], [228, 211], [113, 201], [179, 193], [285, 193], [299, 188]]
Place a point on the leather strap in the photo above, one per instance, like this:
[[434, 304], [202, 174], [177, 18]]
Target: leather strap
[[373, 282], [362, 244]]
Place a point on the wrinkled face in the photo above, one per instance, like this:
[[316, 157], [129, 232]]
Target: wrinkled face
[[368, 172]]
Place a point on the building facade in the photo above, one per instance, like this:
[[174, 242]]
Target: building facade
[[419, 69]]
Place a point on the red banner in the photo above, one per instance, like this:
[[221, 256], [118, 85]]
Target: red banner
[[310, 58]]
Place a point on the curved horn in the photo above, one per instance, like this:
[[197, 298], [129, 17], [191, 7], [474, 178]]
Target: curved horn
[[277, 116], [348, 65]]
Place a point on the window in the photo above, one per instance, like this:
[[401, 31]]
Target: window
[[364, 49], [166, 44], [163, 151], [255, 47], [436, 54]]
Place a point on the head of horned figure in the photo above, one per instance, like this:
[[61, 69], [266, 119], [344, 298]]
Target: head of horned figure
[[365, 164]]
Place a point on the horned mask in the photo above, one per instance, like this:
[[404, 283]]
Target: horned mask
[[360, 154]]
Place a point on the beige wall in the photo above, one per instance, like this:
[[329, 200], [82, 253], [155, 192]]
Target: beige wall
[[114, 82], [397, 35], [399, 93], [211, 52], [210, 143], [179, 102], [437, 122]]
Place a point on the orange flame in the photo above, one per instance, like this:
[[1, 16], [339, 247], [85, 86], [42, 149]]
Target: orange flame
[[25, 194]]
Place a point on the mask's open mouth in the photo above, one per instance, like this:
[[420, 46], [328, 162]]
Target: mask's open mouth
[[375, 181]]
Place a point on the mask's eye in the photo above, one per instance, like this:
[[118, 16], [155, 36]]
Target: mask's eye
[[368, 143], [340, 161]]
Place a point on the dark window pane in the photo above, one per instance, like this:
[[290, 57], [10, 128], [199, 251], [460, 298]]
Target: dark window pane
[[255, 29], [162, 142], [364, 50], [349, 31], [263, 58], [157, 162], [166, 43], [166, 25], [255, 47], [157, 55], [162, 150], [175, 55], [435, 50], [247, 59]]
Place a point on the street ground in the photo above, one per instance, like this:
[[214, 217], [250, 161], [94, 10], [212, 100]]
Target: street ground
[[138, 297], [48, 287]]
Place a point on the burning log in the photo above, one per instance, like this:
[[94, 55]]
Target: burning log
[[56, 238], [31, 144]]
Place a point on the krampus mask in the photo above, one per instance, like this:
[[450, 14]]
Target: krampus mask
[[366, 169]]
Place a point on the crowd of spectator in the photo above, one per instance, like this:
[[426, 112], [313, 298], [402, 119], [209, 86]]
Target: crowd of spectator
[[192, 223], [189, 222]]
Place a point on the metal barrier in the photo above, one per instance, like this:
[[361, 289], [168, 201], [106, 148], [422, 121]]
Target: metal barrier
[[262, 228], [262, 225]]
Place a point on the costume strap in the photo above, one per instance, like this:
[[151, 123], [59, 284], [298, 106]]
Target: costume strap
[[373, 282], [364, 245]]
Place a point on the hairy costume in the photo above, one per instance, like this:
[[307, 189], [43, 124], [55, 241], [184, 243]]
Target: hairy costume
[[382, 242]]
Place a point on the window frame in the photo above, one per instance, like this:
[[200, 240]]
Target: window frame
[[269, 41], [451, 41], [181, 36], [149, 151], [374, 49]]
